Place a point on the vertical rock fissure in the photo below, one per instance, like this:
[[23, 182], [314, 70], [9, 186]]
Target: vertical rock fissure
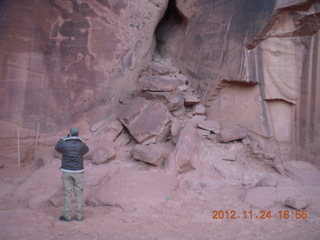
[[169, 30]]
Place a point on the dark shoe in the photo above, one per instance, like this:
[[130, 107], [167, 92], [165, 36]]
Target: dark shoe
[[80, 219], [62, 218]]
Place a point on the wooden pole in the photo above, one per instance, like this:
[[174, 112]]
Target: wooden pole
[[19, 161], [35, 146]]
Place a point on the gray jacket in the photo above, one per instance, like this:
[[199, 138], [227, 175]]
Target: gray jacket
[[73, 149]]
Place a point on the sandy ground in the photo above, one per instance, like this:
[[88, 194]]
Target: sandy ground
[[216, 185]]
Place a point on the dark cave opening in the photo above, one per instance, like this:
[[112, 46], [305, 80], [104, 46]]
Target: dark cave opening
[[169, 30]]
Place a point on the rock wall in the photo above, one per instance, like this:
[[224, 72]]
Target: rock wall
[[67, 60], [254, 63]]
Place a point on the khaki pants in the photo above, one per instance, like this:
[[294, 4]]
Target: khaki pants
[[72, 182]]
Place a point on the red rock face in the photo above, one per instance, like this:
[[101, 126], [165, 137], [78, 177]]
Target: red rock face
[[61, 60], [256, 70], [253, 63]]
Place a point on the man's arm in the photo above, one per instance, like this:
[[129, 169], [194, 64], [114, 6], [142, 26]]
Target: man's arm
[[58, 146], [85, 149]]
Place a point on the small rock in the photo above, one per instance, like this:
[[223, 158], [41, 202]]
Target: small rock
[[267, 182], [57, 199], [198, 109], [268, 156], [246, 141], [231, 156], [183, 88], [127, 220], [190, 98], [297, 202]]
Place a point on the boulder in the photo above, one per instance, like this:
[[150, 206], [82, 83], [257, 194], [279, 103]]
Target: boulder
[[104, 153], [173, 100], [232, 134], [147, 121], [198, 119], [203, 132], [210, 125], [267, 182], [230, 156], [57, 198], [132, 189], [153, 154], [46, 181], [198, 109], [109, 131], [179, 113], [190, 98], [302, 172], [156, 68], [157, 84], [176, 126], [94, 175], [101, 142], [123, 139], [185, 156], [297, 202]]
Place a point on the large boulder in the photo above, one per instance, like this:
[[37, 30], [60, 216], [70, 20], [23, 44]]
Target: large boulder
[[185, 156], [104, 152], [45, 181], [153, 154], [147, 121], [132, 189], [102, 140]]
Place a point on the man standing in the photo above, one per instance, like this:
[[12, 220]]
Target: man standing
[[72, 148]]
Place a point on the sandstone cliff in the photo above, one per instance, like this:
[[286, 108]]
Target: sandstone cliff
[[254, 64]]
